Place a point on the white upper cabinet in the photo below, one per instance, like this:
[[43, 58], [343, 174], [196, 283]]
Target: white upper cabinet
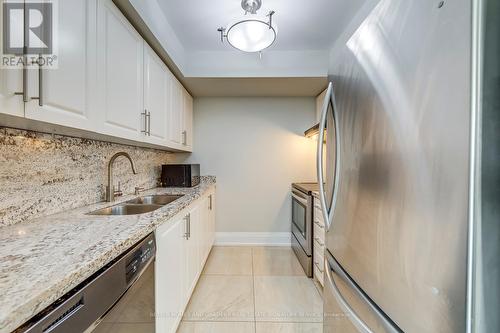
[[180, 119], [175, 114], [120, 70], [11, 81], [157, 80], [107, 81], [187, 121], [66, 92]]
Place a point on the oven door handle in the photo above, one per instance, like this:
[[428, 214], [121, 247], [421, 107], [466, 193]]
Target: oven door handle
[[299, 199]]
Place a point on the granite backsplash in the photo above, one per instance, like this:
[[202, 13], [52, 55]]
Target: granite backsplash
[[43, 174]]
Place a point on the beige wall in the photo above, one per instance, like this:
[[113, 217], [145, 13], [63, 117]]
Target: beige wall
[[256, 148]]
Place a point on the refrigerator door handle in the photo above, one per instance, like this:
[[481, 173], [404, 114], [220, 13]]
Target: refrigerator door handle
[[328, 213], [331, 266]]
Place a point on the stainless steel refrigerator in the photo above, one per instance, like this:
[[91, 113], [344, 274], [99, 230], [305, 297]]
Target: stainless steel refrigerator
[[396, 166]]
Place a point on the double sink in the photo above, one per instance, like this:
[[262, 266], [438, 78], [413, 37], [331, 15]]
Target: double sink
[[139, 205]]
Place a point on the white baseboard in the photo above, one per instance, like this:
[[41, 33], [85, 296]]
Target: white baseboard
[[253, 238]]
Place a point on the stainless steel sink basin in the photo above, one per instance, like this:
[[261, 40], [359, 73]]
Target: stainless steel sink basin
[[137, 206], [155, 199], [126, 209]]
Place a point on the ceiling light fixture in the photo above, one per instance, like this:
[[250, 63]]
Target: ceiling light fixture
[[250, 33]]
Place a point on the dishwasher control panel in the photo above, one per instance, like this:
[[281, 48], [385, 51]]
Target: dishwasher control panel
[[139, 258]]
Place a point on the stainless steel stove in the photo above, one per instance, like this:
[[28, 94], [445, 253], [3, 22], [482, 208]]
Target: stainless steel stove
[[302, 217]]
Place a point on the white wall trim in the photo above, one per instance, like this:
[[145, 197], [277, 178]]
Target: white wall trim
[[253, 238]]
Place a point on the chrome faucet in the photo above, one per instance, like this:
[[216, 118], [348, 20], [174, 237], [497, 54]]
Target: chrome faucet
[[110, 189]]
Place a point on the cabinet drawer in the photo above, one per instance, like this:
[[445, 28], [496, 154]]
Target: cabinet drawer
[[318, 258], [318, 265], [318, 216], [319, 231], [319, 276], [317, 203], [318, 244]]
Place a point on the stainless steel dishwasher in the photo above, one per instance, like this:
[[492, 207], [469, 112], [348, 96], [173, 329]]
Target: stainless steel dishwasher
[[119, 298]]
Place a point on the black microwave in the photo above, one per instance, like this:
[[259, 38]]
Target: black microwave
[[180, 175]]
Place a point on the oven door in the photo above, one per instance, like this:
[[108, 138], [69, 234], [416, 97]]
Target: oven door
[[301, 220]]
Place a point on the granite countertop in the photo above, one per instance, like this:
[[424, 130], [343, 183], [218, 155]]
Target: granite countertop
[[42, 260]]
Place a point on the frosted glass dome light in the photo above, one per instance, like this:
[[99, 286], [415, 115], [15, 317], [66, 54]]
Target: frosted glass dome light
[[251, 33]]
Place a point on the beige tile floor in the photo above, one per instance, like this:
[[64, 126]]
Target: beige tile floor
[[253, 289]]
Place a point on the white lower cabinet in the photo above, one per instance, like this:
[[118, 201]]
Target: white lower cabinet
[[318, 243], [193, 248], [169, 277], [182, 249]]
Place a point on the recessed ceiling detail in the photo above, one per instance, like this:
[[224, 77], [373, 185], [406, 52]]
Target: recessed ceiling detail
[[186, 30], [250, 33]]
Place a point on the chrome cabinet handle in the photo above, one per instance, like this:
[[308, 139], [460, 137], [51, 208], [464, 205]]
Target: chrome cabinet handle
[[319, 241], [328, 214], [40, 82], [145, 114], [149, 123], [24, 93], [184, 137], [187, 227]]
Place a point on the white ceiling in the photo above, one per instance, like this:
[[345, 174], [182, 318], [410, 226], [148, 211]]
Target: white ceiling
[[302, 25], [185, 33]]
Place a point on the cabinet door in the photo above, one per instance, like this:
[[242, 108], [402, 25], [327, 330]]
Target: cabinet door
[[204, 227], [193, 250], [185, 267], [156, 97], [209, 224], [120, 68], [11, 81], [169, 295], [175, 114], [187, 121], [67, 91], [211, 229]]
